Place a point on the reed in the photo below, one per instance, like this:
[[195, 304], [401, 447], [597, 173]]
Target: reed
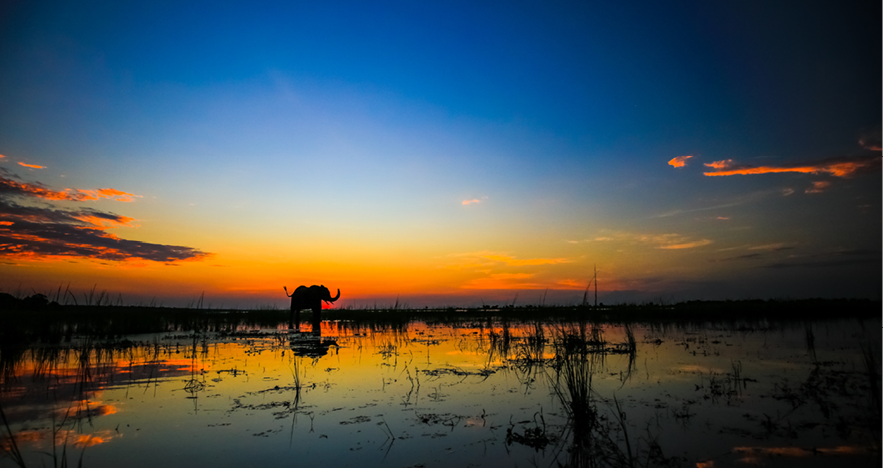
[[869, 359]]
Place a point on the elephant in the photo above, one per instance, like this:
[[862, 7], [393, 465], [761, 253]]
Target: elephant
[[308, 298]]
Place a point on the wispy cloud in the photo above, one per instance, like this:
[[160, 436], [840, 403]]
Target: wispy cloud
[[47, 232], [113, 194], [11, 187], [670, 241], [32, 166], [512, 261], [845, 166], [474, 201], [504, 281], [484, 259], [679, 161], [756, 252], [818, 186], [771, 247], [871, 140], [686, 245], [830, 259]]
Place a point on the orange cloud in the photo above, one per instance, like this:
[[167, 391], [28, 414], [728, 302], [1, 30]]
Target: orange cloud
[[102, 222], [686, 245], [512, 261], [839, 167], [504, 281], [486, 259], [469, 202], [32, 166], [679, 161], [36, 190], [13, 187], [818, 186], [113, 194], [672, 241]]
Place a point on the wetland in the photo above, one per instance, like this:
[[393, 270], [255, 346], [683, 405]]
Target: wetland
[[491, 387]]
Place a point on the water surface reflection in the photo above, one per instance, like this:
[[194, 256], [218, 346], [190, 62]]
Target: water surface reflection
[[483, 393]]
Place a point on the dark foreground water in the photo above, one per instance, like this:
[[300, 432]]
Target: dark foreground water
[[482, 393]]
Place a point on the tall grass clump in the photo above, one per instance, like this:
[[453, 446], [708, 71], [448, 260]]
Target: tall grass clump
[[598, 437], [869, 359]]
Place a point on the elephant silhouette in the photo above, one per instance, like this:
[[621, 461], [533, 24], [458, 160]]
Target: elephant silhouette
[[308, 298]]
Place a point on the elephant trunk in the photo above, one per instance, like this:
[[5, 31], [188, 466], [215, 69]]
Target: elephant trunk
[[335, 297]]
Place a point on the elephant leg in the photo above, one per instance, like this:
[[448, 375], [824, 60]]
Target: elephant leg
[[317, 321]]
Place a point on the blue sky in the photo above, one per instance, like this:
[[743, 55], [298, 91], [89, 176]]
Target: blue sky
[[285, 133]]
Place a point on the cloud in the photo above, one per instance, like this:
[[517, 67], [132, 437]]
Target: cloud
[[751, 256], [47, 232], [10, 187], [45, 241], [679, 161], [32, 166], [871, 141], [469, 202], [485, 259], [512, 261], [771, 247], [686, 245], [113, 194], [831, 259], [845, 166], [818, 186], [504, 281], [671, 241], [758, 252]]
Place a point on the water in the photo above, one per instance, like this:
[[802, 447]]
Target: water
[[487, 393]]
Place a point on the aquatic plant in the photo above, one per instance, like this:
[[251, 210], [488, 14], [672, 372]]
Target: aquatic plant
[[597, 438]]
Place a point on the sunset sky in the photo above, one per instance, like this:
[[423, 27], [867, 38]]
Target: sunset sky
[[441, 153]]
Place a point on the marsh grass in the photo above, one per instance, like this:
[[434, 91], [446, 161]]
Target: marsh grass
[[810, 338], [598, 438], [10, 446], [869, 360]]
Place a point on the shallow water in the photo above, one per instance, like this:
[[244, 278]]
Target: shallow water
[[477, 394]]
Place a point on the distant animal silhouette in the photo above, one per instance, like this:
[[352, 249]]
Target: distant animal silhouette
[[308, 298]]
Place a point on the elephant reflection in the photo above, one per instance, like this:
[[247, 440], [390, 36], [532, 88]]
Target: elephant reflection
[[310, 345], [308, 298]]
